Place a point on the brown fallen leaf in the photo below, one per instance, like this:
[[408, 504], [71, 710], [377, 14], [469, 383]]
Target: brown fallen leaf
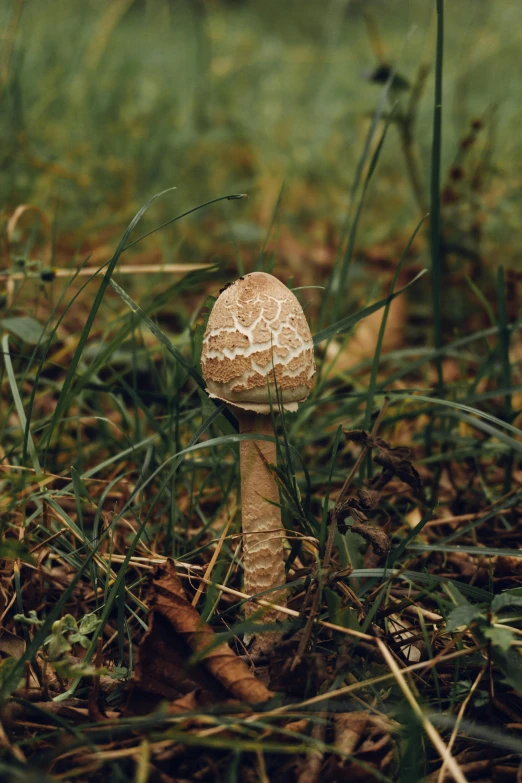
[[165, 669], [186, 703], [395, 464], [377, 538], [348, 730], [395, 461], [367, 738], [11, 644], [311, 768]]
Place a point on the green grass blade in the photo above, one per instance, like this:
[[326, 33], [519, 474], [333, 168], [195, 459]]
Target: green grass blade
[[436, 249], [465, 408], [156, 331], [397, 552], [503, 348], [340, 284], [324, 519], [345, 259], [421, 576], [378, 348], [49, 339], [164, 340], [64, 394], [476, 551], [260, 263], [345, 324], [19, 405], [231, 197]]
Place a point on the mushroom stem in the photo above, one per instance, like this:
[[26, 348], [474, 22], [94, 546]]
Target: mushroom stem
[[264, 565]]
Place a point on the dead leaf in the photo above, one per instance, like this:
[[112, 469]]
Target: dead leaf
[[186, 703], [368, 498], [166, 668], [377, 538], [11, 644], [348, 729], [311, 767], [353, 507], [364, 736], [358, 436], [397, 465], [395, 461]]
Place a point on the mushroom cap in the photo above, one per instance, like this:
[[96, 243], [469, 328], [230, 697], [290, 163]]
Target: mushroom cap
[[257, 337]]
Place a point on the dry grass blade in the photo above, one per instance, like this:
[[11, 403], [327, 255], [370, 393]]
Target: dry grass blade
[[215, 555], [458, 721], [429, 728], [284, 609], [123, 269]]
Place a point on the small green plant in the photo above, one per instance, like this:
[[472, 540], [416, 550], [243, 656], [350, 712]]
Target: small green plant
[[66, 632], [496, 625]]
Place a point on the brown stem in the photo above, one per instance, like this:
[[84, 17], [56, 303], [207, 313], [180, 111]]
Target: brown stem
[[264, 565]]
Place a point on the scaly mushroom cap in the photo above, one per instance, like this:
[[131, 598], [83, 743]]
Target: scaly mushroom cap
[[257, 330]]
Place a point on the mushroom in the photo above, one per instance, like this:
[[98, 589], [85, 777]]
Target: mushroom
[[257, 352]]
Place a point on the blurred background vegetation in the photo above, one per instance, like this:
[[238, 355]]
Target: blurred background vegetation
[[105, 104]]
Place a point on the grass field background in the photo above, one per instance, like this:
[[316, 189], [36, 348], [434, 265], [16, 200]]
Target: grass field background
[[107, 104]]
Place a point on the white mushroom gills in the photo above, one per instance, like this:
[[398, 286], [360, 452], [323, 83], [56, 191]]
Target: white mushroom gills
[[257, 337]]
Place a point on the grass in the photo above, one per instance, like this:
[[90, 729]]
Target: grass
[[400, 665]]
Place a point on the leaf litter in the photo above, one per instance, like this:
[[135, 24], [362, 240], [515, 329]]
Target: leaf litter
[[175, 636], [198, 687]]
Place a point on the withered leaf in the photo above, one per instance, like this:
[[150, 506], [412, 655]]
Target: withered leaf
[[372, 442], [352, 508], [349, 728], [357, 436], [175, 633], [186, 703], [11, 644], [379, 482], [377, 537], [365, 737], [400, 467], [395, 461], [396, 452], [348, 508], [368, 498]]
